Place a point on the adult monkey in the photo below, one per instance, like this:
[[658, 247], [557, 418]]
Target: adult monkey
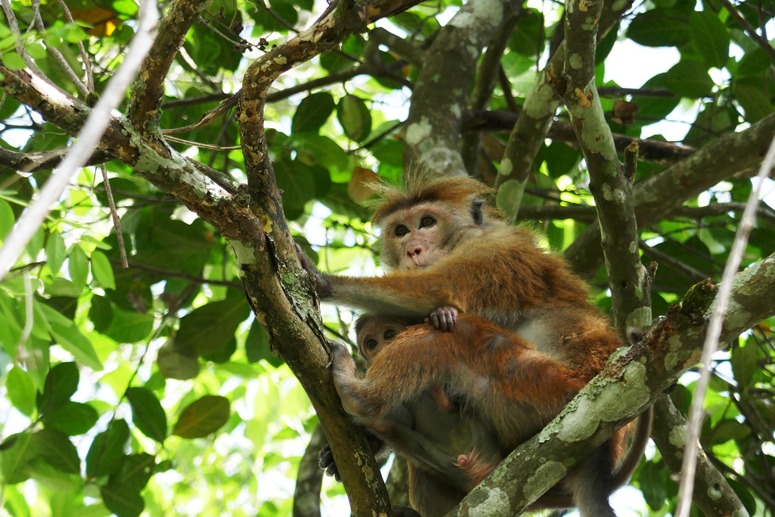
[[447, 250]]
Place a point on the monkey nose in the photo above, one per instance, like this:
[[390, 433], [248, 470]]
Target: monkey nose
[[414, 252]]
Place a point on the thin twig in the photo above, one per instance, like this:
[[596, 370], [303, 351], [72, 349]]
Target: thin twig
[[81, 49], [714, 331], [87, 140], [114, 215], [56, 54], [748, 28]]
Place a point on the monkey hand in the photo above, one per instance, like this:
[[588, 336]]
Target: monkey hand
[[327, 463], [443, 318], [322, 285], [354, 392]]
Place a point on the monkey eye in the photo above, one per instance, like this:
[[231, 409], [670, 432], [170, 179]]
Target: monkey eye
[[371, 344], [427, 221], [401, 230], [389, 334]]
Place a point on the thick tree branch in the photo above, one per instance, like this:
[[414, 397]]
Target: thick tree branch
[[631, 381], [433, 134], [487, 75], [148, 89], [627, 278], [270, 270], [661, 194]]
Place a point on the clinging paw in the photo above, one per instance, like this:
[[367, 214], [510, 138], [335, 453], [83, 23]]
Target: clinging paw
[[444, 318]]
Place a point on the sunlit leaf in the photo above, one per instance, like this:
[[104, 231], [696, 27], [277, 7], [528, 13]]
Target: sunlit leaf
[[103, 271], [354, 116], [72, 418], [106, 454], [61, 383], [57, 450], [78, 266], [21, 390], [202, 417], [711, 37], [313, 112], [147, 413]]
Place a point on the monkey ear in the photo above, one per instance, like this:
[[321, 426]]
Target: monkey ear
[[476, 211]]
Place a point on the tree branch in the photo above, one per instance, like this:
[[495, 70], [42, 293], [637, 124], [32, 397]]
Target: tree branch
[[433, 129], [535, 119], [148, 88], [649, 150], [658, 196], [627, 278], [306, 493], [711, 492]]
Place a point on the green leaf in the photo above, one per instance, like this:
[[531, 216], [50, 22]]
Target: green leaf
[[21, 390], [711, 37], [321, 150], [135, 472], [106, 454], [528, 36], [71, 339], [147, 413], [202, 417], [652, 482], [122, 500], [72, 418], [78, 265], [355, 117], [61, 383], [13, 61], [752, 64], [660, 28], [729, 430], [689, 79], [101, 313], [177, 362], [210, 329], [752, 98], [745, 363], [16, 455], [102, 270], [257, 344], [57, 450], [7, 219], [129, 326], [312, 113]]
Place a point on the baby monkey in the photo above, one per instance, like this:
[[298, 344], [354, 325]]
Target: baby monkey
[[432, 431]]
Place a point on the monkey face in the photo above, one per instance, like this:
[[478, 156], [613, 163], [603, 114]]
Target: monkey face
[[416, 237], [374, 332]]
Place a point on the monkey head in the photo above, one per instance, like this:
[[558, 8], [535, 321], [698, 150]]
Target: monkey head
[[372, 332], [424, 223]]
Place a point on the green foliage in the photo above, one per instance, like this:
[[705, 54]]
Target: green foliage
[[112, 376]]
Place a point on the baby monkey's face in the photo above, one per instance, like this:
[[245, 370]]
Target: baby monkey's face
[[373, 332]]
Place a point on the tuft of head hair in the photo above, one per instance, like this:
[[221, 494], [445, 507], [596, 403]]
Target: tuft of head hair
[[455, 190]]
